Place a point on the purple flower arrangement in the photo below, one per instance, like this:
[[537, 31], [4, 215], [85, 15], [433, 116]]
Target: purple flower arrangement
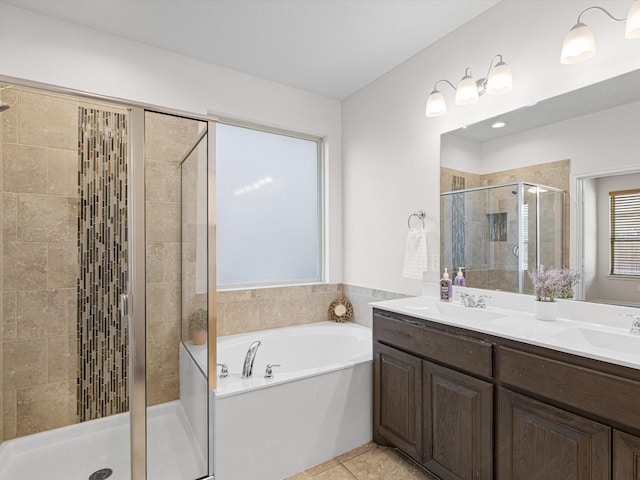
[[553, 283]]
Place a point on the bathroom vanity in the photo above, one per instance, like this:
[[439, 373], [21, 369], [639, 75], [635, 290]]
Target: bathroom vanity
[[502, 397]]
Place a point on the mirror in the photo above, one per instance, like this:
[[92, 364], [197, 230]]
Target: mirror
[[585, 143]]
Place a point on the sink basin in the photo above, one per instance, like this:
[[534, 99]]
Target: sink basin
[[619, 342], [464, 313]]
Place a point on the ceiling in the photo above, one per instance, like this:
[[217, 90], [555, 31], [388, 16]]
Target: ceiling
[[328, 47]]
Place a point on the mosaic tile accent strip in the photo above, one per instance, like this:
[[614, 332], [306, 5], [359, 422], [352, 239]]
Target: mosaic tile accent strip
[[457, 223], [102, 246]]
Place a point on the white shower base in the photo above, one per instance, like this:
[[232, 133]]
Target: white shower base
[[76, 451]]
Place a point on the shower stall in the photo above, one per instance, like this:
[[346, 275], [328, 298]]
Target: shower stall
[[107, 234], [498, 233]]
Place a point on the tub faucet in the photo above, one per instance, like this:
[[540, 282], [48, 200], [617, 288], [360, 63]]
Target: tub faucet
[[247, 369], [635, 324]]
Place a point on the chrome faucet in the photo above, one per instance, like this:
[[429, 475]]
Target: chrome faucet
[[247, 369], [470, 301], [635, 325], [481, 301]]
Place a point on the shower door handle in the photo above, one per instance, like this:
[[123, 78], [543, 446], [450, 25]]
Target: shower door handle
[[124, 305]]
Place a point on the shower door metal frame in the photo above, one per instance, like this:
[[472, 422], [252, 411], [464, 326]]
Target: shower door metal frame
[[137, 293], [212, 310]]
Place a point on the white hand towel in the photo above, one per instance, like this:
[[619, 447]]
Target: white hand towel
[[415, 255]]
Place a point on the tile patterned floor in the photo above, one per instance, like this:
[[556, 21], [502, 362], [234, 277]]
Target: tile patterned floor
[[369, 462]]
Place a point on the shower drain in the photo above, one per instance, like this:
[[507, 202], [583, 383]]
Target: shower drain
[[101, 474]]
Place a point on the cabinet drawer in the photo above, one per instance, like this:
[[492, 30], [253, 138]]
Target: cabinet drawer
[[602, 394], [468, 354]]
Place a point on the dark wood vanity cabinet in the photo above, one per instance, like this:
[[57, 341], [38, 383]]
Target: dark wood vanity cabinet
[[441, 417], [473, 406], [540, 442]]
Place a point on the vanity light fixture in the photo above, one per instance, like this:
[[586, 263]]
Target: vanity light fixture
[[497, 82], [579, 44]]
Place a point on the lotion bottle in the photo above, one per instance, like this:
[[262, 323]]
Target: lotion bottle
[[460, 281], [446, 289]]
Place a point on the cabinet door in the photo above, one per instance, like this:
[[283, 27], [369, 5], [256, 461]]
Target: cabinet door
[[626, 457], [540, 442], [397, 399], [457, 424]]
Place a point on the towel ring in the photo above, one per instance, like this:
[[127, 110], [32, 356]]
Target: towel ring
[[420, 214]]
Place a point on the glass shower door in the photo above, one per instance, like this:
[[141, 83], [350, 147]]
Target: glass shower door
[[500, 232], [178, 303]]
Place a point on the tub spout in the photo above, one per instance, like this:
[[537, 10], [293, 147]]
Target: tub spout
[[247, 369]]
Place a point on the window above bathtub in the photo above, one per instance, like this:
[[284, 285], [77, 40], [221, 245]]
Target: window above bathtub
[[269, 194]]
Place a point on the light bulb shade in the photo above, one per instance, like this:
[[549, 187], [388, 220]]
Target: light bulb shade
[[578, 46], [436, 105], [632, 28], [467, 92], [500, 80]]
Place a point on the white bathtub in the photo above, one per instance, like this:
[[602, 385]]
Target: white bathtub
[[317, 406]]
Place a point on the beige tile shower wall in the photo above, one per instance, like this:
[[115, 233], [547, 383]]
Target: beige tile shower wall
[[194, 248], [167, 139], [39, 165], [39, 260], [242, 311], [471, 180]]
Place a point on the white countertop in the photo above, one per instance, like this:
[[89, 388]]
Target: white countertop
[[608, 340]]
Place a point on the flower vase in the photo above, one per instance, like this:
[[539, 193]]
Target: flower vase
[[547, 311], [199, 337]]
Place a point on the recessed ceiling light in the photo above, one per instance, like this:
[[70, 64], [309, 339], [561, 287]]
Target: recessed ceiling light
[[498, 125]]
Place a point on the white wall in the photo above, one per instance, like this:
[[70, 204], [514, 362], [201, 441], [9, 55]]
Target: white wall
[[41, 49], [461, 154], [592, 142], [391, 152]]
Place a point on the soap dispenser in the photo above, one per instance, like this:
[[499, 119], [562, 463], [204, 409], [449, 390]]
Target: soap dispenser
[[460, 281], [446, 291]]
